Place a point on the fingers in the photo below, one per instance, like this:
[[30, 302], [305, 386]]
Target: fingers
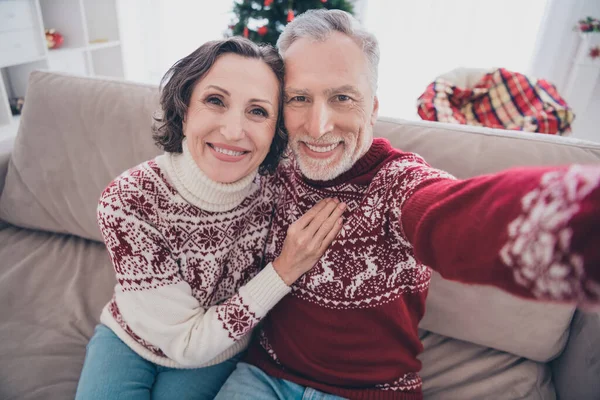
[[319, 219], [304, 220], [333, 232], [329, 223]]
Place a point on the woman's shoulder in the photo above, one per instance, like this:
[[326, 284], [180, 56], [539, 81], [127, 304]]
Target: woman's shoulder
[[145, 180]]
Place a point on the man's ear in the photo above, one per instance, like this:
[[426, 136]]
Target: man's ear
[[375, 112]]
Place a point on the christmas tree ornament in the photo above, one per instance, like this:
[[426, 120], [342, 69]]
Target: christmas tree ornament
[[262, 21], [595, 52], [262, 31]]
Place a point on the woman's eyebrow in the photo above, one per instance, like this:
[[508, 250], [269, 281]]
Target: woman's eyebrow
[[260, 101], [218, 88]]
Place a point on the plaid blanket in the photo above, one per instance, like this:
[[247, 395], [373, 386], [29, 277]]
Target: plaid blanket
[[501, 99]]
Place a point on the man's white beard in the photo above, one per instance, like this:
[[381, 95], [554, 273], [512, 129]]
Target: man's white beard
[[327, 169]]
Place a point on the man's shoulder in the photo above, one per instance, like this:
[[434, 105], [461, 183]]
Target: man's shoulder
[[401, 161], [407, 170]]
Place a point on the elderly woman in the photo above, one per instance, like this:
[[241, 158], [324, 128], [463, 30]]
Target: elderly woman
[[186, 232]]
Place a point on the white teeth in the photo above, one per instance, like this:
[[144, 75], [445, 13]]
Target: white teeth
[[321, 149], [228, 152]]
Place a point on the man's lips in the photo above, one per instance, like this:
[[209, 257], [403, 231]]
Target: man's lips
[[320, 150]]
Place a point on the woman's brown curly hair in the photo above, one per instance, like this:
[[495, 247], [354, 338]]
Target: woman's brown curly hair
[[178, 84]]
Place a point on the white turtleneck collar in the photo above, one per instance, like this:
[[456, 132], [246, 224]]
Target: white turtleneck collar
[[198, 189]]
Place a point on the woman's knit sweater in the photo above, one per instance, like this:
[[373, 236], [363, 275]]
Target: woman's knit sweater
[[187, 253]]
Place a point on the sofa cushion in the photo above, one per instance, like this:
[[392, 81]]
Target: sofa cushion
[[52, 289], [577, 370], [491, 317], [453, 369], [76, 135], [484, 315]]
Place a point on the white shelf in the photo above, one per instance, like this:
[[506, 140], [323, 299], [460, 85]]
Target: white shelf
[[104, 45], [91, 47], [27, 61], [10, 130], [61, 50]]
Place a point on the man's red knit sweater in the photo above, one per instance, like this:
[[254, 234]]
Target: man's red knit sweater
[[349, 326]]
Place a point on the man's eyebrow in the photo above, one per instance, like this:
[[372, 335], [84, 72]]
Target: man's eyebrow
[[218, 88], [298, 92], [343, 89]]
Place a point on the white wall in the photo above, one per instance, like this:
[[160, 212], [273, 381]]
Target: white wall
[[587, 123], [157, 33], [556, 49], [421, 40]]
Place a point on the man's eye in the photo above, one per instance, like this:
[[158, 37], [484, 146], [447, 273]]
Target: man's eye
[[298, 98], [214, 100], [259, 112], [342, 97]]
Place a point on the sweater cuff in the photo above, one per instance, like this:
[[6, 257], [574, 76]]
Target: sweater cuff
[[266, 288], [415, 208]]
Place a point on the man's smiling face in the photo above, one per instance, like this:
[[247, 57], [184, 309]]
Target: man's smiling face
[[330, 107]]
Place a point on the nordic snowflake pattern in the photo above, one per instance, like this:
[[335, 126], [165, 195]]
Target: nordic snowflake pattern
[[539, 244]]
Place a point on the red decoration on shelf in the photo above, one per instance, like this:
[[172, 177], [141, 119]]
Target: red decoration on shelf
[[246, 32], [588, 24], [290, 17], [595, 52], [54, 39], [268, 3], [262, 31]]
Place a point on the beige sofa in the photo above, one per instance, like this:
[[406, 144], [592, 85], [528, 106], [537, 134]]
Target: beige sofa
[[77, 134]]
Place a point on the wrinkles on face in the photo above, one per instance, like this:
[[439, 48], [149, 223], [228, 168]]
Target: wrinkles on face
[[328, 98], [232, 117]]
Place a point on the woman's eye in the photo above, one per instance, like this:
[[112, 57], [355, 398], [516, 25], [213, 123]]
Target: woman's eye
[[342, 97], [259, 112], [214, 100]]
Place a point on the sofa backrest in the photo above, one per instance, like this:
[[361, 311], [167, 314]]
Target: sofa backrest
[[478, 314], [77, 134]]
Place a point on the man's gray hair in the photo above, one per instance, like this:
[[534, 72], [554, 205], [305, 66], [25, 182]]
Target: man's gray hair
[[319, 24]]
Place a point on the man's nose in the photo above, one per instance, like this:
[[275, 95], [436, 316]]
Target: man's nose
[[232, 127], [320, 120]]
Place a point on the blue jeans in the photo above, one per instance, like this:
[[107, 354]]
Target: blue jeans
[[112, 371], [249, 382]]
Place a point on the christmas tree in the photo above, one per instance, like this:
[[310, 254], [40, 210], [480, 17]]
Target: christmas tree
[[262, 21]]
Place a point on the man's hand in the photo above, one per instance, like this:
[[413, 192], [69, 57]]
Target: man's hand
[[308, 238]]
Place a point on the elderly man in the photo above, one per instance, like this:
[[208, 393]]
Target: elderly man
[[349, 326]]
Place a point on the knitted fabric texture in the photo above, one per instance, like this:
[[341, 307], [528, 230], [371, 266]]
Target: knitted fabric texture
[[189, 283], [350, 325]]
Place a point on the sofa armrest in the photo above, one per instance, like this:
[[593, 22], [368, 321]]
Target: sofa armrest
[[576, 371]]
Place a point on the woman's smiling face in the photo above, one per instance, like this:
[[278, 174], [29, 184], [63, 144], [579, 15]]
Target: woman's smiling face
[[231, 118]]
